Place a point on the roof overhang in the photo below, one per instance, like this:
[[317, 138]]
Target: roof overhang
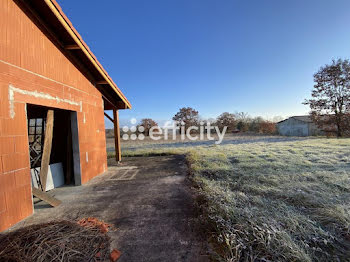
[[61, 31]]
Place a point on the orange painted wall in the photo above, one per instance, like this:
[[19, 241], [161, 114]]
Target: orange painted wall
[[33, 70]]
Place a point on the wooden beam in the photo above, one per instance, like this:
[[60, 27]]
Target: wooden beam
[[102, 82], [88, 53], [108, 105], [69, 156], [52, 201], [111, 119], [118, 155], [50, 33], [71, 47], [45, 160], [77, 40], [121, 105], [116, 105]]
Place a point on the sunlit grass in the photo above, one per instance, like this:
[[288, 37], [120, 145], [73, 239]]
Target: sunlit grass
[[280, 201]]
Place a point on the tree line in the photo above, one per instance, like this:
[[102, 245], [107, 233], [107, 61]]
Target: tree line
[[235, 122]]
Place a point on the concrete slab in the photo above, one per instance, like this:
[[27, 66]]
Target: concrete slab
[[147, 199]]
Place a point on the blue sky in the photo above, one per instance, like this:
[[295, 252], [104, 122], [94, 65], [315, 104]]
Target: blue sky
[[214, 55]]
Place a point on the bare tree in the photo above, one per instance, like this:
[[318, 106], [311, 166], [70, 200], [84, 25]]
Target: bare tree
[[242, 116], [330, 103], [243, 121], [255, 123]]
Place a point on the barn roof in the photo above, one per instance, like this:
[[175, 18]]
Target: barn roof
[[60, 30], [304, 118]]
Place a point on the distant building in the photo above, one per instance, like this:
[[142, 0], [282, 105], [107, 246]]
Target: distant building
[[298, 126]]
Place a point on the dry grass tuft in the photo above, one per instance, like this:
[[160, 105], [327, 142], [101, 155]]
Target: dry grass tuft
[[55, 241]]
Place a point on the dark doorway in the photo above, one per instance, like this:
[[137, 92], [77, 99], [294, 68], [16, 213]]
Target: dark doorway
[[63, 164]]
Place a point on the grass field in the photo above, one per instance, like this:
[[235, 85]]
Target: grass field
[[281, 200]]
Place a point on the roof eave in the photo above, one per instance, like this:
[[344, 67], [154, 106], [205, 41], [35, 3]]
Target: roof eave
[[57, 11]]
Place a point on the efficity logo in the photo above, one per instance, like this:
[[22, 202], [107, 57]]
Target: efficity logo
[[171, 130], [133, 130]]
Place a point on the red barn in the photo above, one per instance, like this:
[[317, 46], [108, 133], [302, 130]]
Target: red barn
[[53, 94]]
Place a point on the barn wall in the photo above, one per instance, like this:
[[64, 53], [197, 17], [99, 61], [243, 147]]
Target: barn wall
[[33, 70], [315, 130], [293, 127]]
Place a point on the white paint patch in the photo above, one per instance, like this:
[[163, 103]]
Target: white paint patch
[[87, 157], [84, 118], [12, 105], [36, 94], [128, 174], [125, 168]]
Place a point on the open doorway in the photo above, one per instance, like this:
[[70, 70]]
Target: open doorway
[[63, 163]]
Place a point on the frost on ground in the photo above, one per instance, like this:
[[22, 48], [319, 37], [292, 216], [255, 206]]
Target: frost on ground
[[149, 144], [286, 200]]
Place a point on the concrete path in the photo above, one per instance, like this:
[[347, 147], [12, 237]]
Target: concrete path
[[147, 199]]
